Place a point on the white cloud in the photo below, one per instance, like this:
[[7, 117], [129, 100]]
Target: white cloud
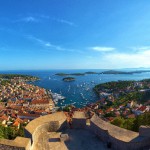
[[140, 48], [127, 60], [50, 46], [44, 16], [65, 22], [119, 59], [27, 19], [102, 49], [38, 18], [44, 43]]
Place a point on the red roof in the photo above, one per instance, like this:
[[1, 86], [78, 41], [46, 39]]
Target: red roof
[[131, 116], [19, 120], [109, 109], [28, 115], [16, 123], [142, 108], [100, 111], [40, 102], [4, 117]]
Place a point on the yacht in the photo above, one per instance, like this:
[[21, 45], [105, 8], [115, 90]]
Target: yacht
[[56, 97]]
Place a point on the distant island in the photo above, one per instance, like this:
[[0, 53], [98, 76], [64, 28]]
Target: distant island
[[73, 74], [104, 72], [90, 72], [115, 72], [118, 72], [68, 79], [7, 78], [124, 72], [18, 76]]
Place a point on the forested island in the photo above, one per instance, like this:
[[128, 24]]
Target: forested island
[[104, 72], [124, 72], [68, 79], [67, 74], [18, 76]]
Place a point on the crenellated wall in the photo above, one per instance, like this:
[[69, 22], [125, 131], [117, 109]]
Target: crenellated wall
[[37, 133]]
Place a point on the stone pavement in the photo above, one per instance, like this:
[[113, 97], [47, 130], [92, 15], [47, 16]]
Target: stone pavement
[[80, 139]]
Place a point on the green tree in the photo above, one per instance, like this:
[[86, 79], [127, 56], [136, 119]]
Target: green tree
[[128, 123], [118, 121], [2, 132]]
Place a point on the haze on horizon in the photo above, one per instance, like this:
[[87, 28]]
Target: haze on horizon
[[74, 34]]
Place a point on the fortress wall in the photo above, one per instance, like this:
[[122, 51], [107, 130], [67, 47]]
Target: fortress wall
[[101, 133], [118, 137], [40, 136], [37, 133], [114, 131], [38, 129], [133, 145], [59, 116], [6, 147], [18, 143]]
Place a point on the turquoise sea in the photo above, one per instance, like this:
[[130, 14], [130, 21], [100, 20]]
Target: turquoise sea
[[79, 92]]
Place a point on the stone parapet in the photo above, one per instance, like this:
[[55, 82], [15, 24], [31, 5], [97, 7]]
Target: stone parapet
[[39, 131], [114, 131], [18, 143]]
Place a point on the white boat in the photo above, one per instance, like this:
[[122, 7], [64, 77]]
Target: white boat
[[56, 97], [69, 88]]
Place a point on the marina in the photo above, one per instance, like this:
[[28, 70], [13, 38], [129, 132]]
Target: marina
[[57, 97]]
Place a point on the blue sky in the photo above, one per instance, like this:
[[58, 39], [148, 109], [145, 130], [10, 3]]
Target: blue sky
[[74, 34]]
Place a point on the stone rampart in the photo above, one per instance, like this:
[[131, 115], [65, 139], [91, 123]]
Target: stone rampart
[[119, 138], [37, 133], [140, 144], [37, 129], [114, 131], [18, 143]]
